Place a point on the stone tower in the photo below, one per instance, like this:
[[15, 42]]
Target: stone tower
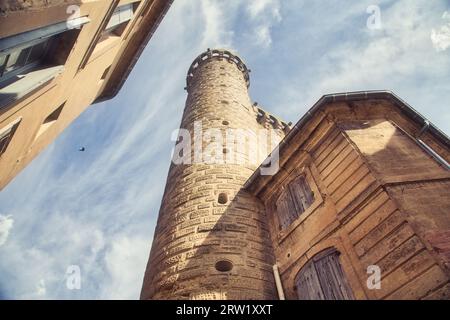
[[211, 240]]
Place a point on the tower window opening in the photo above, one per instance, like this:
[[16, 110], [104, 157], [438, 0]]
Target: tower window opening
[[225, 123], [224, 266], [223, 198]]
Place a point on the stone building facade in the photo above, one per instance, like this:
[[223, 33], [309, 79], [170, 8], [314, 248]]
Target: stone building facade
[[375, 223], [359, 208], [57, 57]]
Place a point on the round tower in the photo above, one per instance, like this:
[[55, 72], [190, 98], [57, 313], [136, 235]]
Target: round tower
[[211, 240]]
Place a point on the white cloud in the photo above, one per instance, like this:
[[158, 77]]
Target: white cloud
[[217, 31], [441, 37], [394, 57], [262, 36], [6, 224], [263, 14], [258, 7], [125, 262], [41, 290]]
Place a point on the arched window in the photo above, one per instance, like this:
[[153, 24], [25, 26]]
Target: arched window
[[293, 201], [322, 278]]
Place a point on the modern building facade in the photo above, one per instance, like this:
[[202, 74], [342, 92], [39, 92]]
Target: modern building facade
[[359, 208], [58, 57]]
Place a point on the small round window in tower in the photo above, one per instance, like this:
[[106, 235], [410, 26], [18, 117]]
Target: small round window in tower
[[225, 150], [223, 198], [225, 122], [224, 266]]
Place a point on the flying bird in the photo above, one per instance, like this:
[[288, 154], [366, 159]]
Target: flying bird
[[82, 149]]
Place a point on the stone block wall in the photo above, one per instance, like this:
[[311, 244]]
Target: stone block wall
[[212, 239]]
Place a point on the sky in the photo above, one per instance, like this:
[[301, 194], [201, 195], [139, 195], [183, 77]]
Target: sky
[[93, 213]]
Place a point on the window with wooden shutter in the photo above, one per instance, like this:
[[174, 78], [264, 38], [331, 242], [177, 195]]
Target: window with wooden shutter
[[323, 279], [284, 211], [301, 193], [293, 201]]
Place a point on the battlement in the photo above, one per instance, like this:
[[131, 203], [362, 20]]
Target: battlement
[[218, 54], [268, 120]]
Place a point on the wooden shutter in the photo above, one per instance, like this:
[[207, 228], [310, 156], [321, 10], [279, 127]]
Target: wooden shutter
[[301, 194], [332, 278], [283, 210], [323, 279], [295, 190], [308, 285], [293, 201]]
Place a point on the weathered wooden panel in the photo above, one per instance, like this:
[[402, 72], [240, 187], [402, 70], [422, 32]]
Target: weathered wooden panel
[[332, 278], [308, 285], [323, 279]]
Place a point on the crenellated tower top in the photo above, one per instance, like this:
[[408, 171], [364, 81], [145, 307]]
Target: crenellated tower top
[[219, 54]]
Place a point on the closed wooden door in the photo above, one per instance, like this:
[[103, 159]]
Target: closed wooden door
[[323, 279]]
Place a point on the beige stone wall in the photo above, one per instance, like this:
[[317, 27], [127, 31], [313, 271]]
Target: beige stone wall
[[194, 231], [380, 199]]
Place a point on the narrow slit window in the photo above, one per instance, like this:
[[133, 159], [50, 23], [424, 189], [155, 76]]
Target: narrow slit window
[[105, 73], [50, 120]]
